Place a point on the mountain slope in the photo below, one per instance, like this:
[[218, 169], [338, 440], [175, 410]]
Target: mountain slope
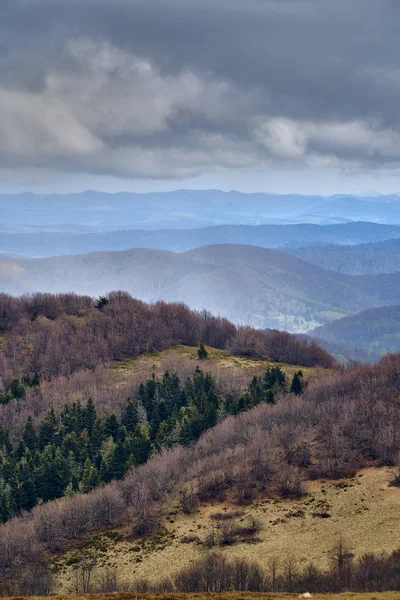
[[247, 284], [362, 259], [376, 330]]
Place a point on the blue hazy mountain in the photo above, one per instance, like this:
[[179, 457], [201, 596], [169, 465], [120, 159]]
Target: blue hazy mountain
[[51, 243], [97, 211]]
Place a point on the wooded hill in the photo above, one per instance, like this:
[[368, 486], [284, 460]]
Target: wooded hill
[[246, 284], [55, 448], [376, 330], [362, 259]]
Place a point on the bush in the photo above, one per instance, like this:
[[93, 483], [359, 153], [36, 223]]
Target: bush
[[188, 501], [290, 484]]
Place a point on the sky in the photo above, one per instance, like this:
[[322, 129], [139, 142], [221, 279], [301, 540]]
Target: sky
[[256, 95]]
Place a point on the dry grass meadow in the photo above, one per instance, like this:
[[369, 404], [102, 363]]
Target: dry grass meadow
[[183, 359], [364, 511]]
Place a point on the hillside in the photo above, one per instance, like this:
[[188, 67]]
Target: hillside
[[91, 391], [71, 240], [376, 330], [362, 509], [362, 259], [257, 497], [256, 286], [346, 353]]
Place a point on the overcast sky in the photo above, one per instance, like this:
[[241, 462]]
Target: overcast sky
[[285, 95]]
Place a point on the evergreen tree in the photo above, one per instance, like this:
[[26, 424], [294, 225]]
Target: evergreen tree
[[5, 507], [27, 492], [90, 477], [35, 380], [101, 302], [130, 416], [297, 384], [111, 426], [29, 436], [202, 352], [118, 461], [89, 416], [47, 429], [141, 446], [17, 389]]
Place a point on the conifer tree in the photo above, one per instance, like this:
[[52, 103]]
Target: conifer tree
[[130, 416], [90, 478], [297, 384], [29, 436], [202, 352], [89, 416]]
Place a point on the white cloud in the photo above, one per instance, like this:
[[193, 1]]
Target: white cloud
[[352, 140], [108, 112]]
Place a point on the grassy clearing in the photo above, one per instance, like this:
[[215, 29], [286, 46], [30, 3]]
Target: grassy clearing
[[185, 358], [363, 510]]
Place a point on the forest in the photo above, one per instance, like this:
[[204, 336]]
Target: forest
[[78, 451]]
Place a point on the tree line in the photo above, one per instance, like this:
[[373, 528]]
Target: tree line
[[218, 573], [58, 335]]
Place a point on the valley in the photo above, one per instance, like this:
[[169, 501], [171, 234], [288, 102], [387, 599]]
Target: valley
[[276, 290]]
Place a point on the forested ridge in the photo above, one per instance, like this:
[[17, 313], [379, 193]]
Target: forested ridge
[[51, 335], [376, 330]]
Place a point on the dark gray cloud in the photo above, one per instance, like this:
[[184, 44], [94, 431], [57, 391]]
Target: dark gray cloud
[[172, 88]]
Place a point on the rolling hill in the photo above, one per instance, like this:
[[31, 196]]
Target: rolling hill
[[51, 243], [379, 209], [376, 330], [361, 259], [251, 285]]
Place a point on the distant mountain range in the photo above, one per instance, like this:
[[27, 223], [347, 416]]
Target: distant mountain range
[[251, 285], [376, 330], [270, 236], [95, 211], [363, 259]]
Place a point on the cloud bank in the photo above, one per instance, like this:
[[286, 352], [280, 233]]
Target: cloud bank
[[177, 88]]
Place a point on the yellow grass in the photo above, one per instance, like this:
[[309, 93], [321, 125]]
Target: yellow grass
[[364, 511], [186, 356]]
